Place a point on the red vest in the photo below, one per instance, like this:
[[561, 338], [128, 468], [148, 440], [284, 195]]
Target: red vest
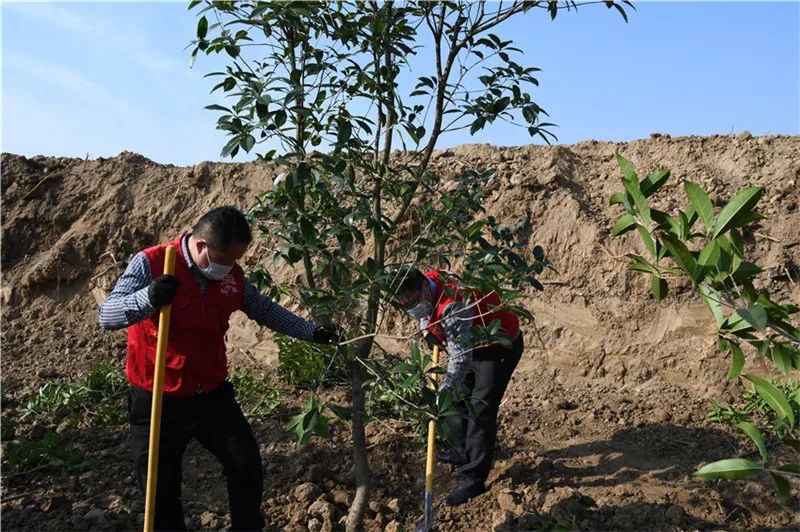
[[196, 357], [483, 317]]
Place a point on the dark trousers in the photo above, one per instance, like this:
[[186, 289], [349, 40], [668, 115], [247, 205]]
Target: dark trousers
[[485, 385], [217, 422]]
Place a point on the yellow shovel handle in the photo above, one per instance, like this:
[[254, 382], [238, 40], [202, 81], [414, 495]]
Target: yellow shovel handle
[[431, 434], [158, 390]]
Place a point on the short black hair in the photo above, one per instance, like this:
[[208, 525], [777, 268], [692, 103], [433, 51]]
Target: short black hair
[[223, 226], [405, 278]]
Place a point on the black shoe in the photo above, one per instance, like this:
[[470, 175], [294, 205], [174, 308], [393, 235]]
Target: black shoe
[[463, 493], [450, 457]]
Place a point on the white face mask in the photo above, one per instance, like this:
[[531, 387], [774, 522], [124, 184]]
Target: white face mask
[[215, 271], [421, 310]]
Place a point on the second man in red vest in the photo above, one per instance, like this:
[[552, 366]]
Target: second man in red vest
[[477, 371]]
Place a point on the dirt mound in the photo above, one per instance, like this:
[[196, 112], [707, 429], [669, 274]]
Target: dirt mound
[[603, 421]]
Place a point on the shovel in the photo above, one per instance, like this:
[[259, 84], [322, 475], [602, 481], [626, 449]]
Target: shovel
[[155, 412], [430, 513]]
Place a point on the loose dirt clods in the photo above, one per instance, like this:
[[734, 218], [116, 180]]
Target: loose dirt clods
[[604, 420]]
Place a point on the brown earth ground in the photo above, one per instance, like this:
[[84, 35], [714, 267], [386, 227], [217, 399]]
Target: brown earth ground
[[604, 420]]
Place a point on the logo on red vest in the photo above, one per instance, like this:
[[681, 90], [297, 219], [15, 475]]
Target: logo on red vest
[[228, 285]]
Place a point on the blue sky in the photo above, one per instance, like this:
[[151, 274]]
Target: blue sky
[[100, 78]]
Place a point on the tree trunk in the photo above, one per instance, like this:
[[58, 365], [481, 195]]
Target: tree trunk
[[358, 508]]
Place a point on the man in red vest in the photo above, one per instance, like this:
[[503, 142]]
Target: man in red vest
[[477, 370], [199, 403]]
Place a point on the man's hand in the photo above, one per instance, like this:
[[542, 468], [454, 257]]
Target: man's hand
[[328, 334], [432, 340], [162, 290]]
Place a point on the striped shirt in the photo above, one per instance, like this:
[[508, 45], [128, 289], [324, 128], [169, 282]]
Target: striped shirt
[[457, 325], [128, 303]]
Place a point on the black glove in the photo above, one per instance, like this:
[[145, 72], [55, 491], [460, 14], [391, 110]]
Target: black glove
[[432, 340], [328, 334], [162, 290]]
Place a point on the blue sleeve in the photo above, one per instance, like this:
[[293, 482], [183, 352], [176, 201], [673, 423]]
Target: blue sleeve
[[128, 302], [268, 313]]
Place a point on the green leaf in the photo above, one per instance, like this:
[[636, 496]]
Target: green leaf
[[321, 426], [708, 261], [202, 28], [632, 188], [731, 468], [623, 225], [681, 254], [773, 396], [642, 265], [233, 50], [666, 222], [344, 132], [230, 148], [659, 288], [617, 197], [746, 271], [755, 315], [755, 435], [477, 125], [248, 141], [620, 9], [627, 169], [653, 182], [295, 421], [790, 468], [737, 361], [710, 254], [649, 243], [553, 8], [307, 230], [783, 487], [739, 208], [782, 358], [701, 203], [691, 217], [712, 299], [279, 117]]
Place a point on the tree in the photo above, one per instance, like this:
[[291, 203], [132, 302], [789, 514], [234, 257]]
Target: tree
[[325, 76], [713, 258]]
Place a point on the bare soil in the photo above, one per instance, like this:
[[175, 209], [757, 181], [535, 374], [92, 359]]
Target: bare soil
[[604, 420]]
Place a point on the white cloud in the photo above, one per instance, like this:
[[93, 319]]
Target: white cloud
[[73, 81], [105, 34]]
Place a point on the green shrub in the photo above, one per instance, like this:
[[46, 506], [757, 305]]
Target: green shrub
[[307, 365], [398, 395], [712, 256], [255, 392], [753, 408], [51, 452], [404, 393], [97, 399]]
